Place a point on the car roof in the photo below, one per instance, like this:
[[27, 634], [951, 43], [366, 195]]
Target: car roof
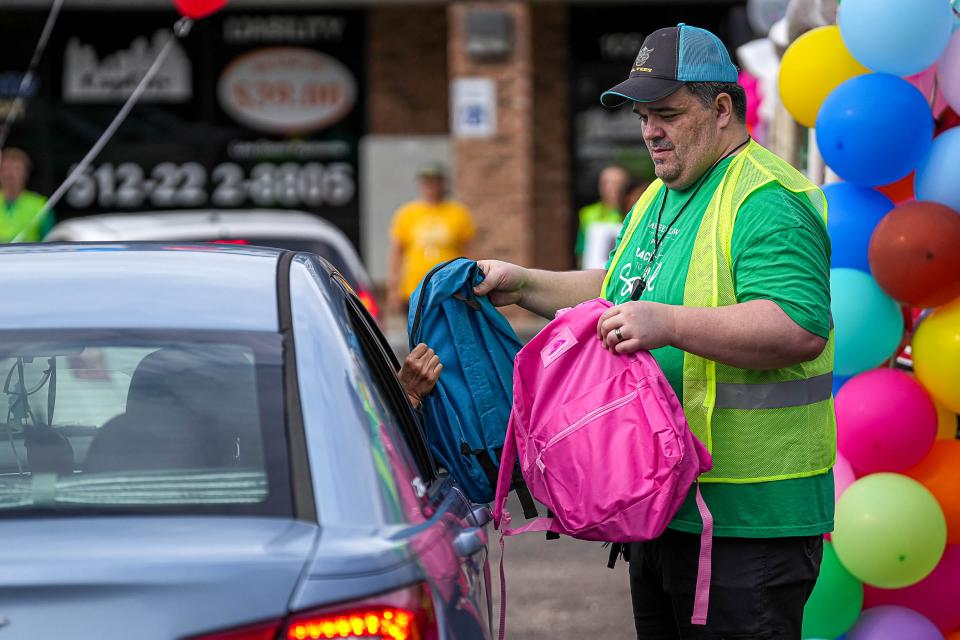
[[139, 285], [210, 224]]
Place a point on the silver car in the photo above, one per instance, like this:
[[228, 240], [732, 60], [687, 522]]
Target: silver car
[[210, 442]]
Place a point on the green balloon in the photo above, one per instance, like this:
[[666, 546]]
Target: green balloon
[[889, 530], [836, 600]]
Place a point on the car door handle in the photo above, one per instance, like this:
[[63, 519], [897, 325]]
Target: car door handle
[[470, 541], [482, 515]]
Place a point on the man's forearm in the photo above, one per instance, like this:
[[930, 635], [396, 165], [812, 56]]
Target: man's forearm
[[545, 292], [751, 335]]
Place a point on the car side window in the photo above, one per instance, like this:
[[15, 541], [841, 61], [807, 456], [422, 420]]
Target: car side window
[[383, 367]]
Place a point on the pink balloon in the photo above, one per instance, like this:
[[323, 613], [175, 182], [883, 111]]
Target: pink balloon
[[924, 81], [886, 421], [948, 72], [936, 596], [751, 87], [843, 476]]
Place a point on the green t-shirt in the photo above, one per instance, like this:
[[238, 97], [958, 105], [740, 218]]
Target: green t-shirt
[[780, 251]]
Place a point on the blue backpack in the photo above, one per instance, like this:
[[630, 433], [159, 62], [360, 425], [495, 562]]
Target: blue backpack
[[467, 412]]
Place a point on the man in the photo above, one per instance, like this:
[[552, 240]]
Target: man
[[722, 272], [19, 207], [610, 210], [424, 233]]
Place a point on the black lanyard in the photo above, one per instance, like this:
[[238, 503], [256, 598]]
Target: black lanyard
[[641, 283]]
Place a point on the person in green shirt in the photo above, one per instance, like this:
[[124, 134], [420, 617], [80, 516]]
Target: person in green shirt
[[19, 208], [610, 209], [771, 326]]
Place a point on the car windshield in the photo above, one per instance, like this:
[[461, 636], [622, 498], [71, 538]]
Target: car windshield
[[142, 422]]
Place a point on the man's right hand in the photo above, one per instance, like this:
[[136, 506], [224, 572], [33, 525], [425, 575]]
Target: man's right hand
[[503, 282]]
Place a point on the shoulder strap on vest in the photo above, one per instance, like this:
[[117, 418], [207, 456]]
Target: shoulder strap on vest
[[636, 215]]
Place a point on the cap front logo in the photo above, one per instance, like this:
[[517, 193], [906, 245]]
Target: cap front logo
[[642, 58]]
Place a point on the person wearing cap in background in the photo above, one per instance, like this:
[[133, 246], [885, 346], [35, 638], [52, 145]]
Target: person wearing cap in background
[[424, 233], [722, 272], [19, 208], [612, 184]]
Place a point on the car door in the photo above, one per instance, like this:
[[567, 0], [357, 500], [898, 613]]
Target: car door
[[467, 531]]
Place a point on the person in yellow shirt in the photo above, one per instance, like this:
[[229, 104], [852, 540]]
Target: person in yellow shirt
[[424, 233], [19, 208]]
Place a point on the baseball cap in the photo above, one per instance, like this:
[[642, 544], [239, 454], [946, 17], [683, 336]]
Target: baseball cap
[[668, 58], [432, 170]]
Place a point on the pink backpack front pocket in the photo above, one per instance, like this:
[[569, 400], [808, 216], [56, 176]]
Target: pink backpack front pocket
[[574, 473]]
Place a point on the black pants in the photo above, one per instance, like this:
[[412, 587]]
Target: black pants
[[757, 592]]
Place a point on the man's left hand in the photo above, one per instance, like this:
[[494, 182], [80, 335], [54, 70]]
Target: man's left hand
[[642, 325]]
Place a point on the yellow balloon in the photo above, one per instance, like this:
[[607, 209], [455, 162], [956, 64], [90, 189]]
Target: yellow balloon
[[812, 67], [936, 355]]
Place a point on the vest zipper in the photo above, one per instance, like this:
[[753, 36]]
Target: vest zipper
[[593, 415]]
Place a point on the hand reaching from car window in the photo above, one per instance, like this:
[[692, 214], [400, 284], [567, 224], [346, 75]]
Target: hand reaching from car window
[[419, 373]]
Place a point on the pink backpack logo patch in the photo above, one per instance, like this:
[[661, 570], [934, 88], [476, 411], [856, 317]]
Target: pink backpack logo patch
[[601, 440]]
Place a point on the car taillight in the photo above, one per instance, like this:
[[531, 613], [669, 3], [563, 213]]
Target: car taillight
[[401, 615], [261, 631], [367, 299]]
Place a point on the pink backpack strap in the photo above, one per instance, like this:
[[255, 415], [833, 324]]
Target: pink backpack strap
[[508, 460], [704, 566]]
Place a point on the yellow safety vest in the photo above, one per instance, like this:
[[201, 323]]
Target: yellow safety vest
[[760, 426]]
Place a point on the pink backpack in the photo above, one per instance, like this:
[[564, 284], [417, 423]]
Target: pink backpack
[[601, 440]]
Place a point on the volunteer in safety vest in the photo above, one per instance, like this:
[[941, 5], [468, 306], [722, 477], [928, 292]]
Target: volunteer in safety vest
[[19, 209], [722, 271]]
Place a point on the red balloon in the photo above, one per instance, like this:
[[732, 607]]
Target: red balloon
[[915, 254], [901, 190], [196, 9]]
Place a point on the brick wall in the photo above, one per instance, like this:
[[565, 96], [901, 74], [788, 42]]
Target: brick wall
[[494, 176], [407, 67], [552, 243]]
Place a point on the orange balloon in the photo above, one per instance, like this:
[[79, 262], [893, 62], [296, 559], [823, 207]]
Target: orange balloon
[[914, 254], [953, 635], [939, 472], [899, 191]]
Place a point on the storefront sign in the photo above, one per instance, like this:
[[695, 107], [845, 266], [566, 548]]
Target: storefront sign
[[286, 90], [253, 109], [89, 78]]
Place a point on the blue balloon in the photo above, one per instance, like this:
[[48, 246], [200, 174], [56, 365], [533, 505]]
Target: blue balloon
[[901, 37], [852, 214], [874, 129], [839, 381], [868, 325], [938, 177]]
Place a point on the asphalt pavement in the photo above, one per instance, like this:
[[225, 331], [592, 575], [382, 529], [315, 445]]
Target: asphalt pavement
[[560, 588]]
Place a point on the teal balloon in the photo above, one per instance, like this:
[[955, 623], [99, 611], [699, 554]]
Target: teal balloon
[[868, 325], [901, 37], [836, 600]]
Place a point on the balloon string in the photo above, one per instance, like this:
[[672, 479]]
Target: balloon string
[[19, 102], [180, 30]]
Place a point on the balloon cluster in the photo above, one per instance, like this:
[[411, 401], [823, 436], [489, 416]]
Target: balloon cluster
[[873, 86]]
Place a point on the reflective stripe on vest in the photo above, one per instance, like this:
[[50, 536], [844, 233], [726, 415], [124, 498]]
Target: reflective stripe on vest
[[774, 395], [759, 425]]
